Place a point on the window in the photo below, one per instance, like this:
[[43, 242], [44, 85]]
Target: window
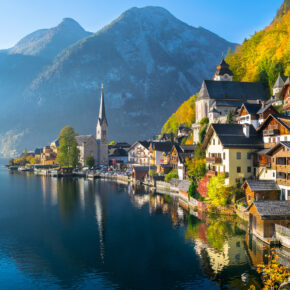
[[285, 138], [238, 155], [274, 174], [224, 156], [238, 169], [248, 155], [219, 142], [213, 142], [249, 169]]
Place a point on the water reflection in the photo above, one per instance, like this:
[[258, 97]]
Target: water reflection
[[82, 233]]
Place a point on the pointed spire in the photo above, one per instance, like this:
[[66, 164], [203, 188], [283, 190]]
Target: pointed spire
[[102, 112], [279, 82]]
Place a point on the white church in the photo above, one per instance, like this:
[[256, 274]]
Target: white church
[[97, 147]]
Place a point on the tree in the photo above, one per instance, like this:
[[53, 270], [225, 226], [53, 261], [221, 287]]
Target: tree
[[192, 191], [203, 128], [218, 192], [112, 143], [230, 118], [172, 174], [68, 152], [90, 161], [152, 172], [196, 168], [199, 153]]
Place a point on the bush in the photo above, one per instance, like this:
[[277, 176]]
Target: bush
[[152, 172], [172, 174], [218, 192]]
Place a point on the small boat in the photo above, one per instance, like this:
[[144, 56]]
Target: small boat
[[25, 169], [13, 167]]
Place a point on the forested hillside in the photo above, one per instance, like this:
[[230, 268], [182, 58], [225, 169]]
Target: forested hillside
[[185, 114], [266, 53], [260, 58]]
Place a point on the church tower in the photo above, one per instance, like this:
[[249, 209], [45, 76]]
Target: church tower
[[223, 72], [102, 132]]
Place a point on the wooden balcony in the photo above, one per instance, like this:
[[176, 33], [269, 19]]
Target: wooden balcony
[[211, 173], [214, 160], [271, 132], [283, 181]]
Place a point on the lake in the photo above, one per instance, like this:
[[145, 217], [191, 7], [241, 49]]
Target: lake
[[83, 234]]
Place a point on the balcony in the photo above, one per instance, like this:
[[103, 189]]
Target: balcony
[[282, 181], [211, 173], [214, 160], [271, 132]]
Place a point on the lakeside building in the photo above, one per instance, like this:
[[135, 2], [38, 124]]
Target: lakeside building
[[221, 96], [157, 151], [139, 153], [229, 149], [280, 164], [263, 215], [285, 95], [256, 190]]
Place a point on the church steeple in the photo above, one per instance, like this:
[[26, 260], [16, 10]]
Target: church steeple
[[102, 112], [223, 72]]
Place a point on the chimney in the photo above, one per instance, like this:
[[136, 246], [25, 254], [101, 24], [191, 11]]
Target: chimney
[[263, 104], [246, 130]]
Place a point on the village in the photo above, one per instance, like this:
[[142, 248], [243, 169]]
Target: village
[[235, 158]]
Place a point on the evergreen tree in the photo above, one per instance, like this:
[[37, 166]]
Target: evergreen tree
[[90, 161], [68, 152]]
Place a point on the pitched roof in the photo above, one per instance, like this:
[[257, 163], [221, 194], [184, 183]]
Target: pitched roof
[[118, 152], [145, 144], [272, 150], [225, 103], [81, 139], [265, 108], [252, 108], [276, 209], [262, 185], [38, 151], [279, 118], [279, 82], [232, 136], [240, 91], [223, 68], [102, 111], [162, 146]]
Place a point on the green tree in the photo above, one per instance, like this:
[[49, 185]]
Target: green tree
[[218, 192], [90, 161], [112, 143], [172, 174], [152, 172], [199, 153], [196, 168], [204, 122], [68, 152], [230, 118]]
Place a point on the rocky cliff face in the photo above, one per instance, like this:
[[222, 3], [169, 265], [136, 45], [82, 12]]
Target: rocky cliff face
[[149, 63]]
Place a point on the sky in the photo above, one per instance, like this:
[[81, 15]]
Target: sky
[[233, 20]]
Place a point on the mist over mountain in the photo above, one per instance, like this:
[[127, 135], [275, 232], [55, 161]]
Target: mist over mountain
[[148, 61]]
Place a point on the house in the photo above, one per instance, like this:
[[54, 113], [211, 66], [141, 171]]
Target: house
[[229, 149], [118, 156], [255, 114], [256, 190], [280, 163], [140, 172], [184, 131], [221, 96], [285, 95], [157, 151], [178, 156], [262, 165], [275, 128], [87, 145], [139, 153], [48, 156], [277, 88], [37, 155], [263, 215]]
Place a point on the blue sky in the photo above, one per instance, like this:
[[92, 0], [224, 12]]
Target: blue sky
[[231, 19]]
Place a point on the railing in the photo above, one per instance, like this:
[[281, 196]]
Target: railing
[[271, 132], [214, 160], [282, 181], [211, 173]]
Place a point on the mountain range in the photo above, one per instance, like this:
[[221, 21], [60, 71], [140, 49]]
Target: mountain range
[[148, 60]]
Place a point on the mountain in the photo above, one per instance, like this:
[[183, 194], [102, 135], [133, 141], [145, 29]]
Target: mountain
[[266, 53], [47, 43], [261, 58], [149, 63]]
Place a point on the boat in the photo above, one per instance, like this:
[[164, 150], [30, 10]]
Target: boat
[[24, 169]]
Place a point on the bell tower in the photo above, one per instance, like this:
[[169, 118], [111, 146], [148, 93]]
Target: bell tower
[[102, 131]]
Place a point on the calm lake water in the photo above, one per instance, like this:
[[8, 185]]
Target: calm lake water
[[74, 233]]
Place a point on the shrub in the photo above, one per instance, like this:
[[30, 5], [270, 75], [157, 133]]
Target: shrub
[[172, 174]]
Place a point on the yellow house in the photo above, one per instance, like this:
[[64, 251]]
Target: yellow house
[[229, 150]]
